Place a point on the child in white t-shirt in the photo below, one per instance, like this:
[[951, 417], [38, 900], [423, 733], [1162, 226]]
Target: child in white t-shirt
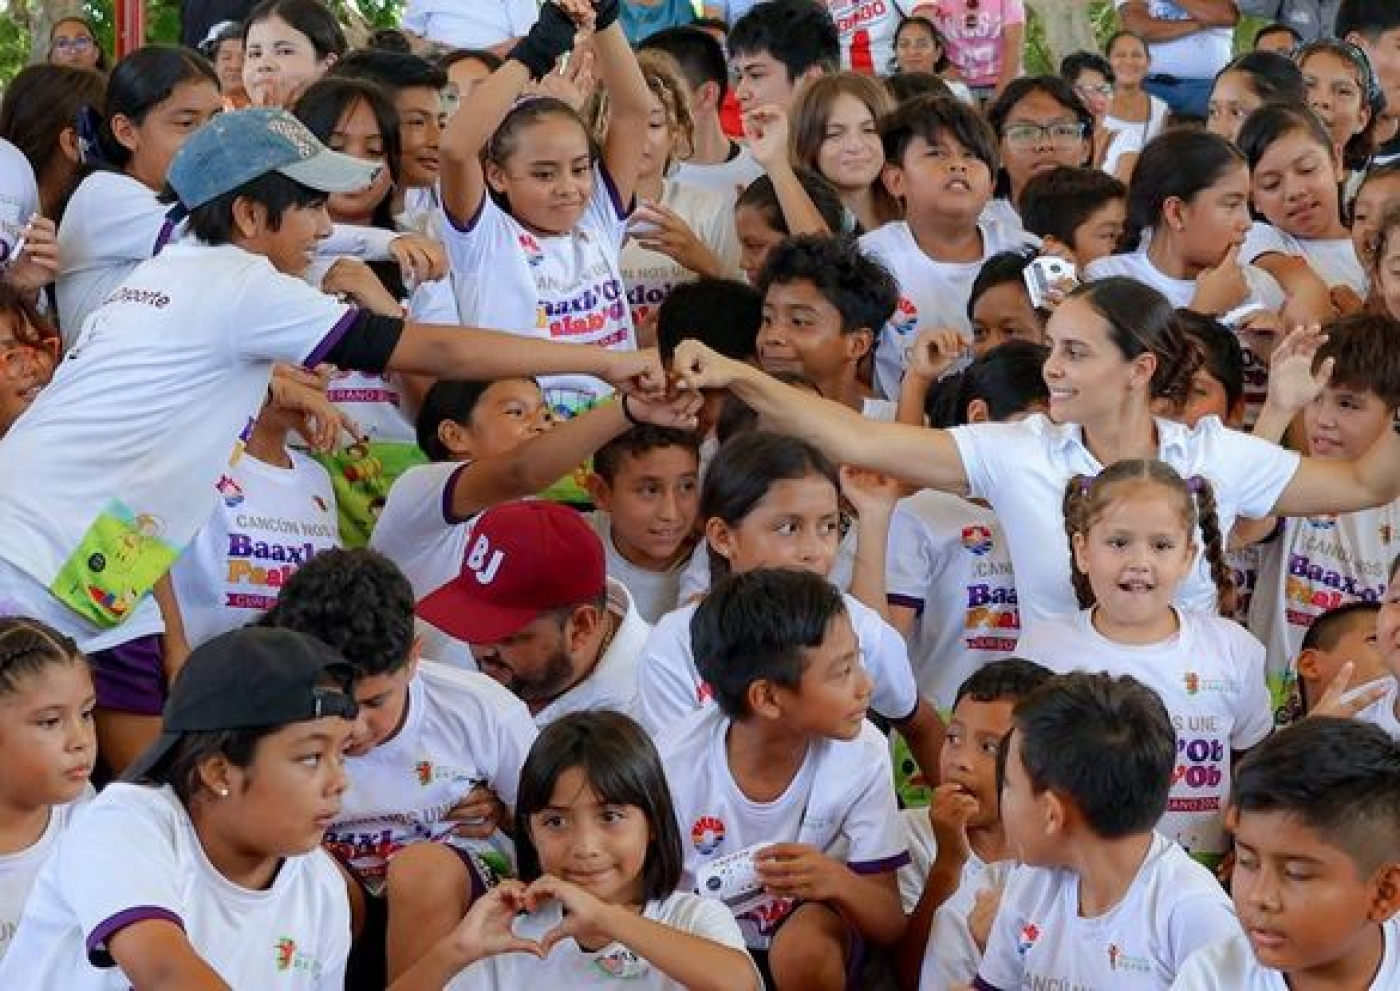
[[208, 872], [48, 747], [535, 214], [646, 485], [602, 855], [786, 781], [1132, 537], [1385, 712], [936, 252], [1316, 815], [1340, 637], [1102, 899], [432, 767], [960, 859]]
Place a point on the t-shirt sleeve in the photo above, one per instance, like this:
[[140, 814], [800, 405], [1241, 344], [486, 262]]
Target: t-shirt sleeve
[[1001, 968], [1263, 239], [281, 318], [1197, 922], [707, 918], [365, 243], [417, 512], [117, 866], [606, 213], [1255, 719], [515, 735], [886, 656], [1200, 973], [1255, 470], [991, 453], [908, 570], [666, 685], [873, 827], [522, 15]]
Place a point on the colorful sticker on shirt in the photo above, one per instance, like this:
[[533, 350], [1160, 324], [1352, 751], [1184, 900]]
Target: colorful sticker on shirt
[[116, 563], [361, 476]]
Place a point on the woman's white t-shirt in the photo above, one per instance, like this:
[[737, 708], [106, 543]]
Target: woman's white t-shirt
[[1333, 259], [19, 197]]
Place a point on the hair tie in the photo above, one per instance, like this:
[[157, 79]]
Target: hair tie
[[89, 124], [1195, 484], [1086, 482]]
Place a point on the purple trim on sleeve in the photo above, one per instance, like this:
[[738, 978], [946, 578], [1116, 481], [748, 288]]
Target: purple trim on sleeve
[[882, 866], [332, 338], [163, 238], [473, 220], [97, 939], [980, 985], [447, 515], [623, 210], [906, 601]]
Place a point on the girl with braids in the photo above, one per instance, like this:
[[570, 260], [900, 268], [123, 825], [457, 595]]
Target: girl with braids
[[1115, 346], [47, 747], [1132, 534]]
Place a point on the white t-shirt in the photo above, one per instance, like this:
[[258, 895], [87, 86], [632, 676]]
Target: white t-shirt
[[20, 869], [650, 276], [1210, 676], [726, 178], [1173, 907], [563, 288], [417, 529], [1230, 965], [479, 24], [669, 685], [1199, 55], [948, 558], [1179, 292], [931, 293], [1022, 469], [112, 223], [612, 684], [168, 375], [654, 593], [268, 522], [131, 856], [1139, 132], [840, 801], [462, 729], [570, 966], [1318, 564], [19, 196], [1333, 260], [867, 32], [1385, 711], [952, 955], [696, 578]]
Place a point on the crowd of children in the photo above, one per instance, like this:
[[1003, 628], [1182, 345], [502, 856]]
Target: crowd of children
[[687, 507]]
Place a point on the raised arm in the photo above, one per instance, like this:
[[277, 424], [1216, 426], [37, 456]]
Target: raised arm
[[629, 109], [1325, 486], [767, 131], [921, 457]]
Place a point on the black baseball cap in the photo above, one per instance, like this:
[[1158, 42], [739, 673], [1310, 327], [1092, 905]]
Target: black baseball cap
[[251, 678]]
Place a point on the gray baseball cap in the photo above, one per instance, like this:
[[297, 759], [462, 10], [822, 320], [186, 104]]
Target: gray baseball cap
[[237, 147]]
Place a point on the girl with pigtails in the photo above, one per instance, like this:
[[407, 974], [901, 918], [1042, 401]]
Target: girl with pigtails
[[1132, 532]]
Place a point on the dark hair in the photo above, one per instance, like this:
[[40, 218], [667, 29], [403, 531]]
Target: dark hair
[[139, 83], [1221, 355], [1274, 27], [762, 198], [922, 21], [860, 288], [744, 470], [27, 647], [623, 768], [447, 400], [698, 53], [637, 441], [1339, 777], [1368, 18], [226, 32], [524, 114], [390, 40], [798, 33], [212, 222], [36, 328], [393, 70], [930, 117], [328, 99], [1059, 201], [724, 313], [1177, 164], [1359, 148], [1273, 121], [490, 60], [1087, 498], [310, 17], [1075, 64], [1021, 88], [39, 104], [756, 627], [180, 767], [906, 86], [1105, 743], [1007, 378], [812, 110], [1002, 269], [1122, 33], [738, 417], [92, 33], [1365, 349], [1326, 631], [354, 600], [1273, 77], [1009, 679], [1141, 321]]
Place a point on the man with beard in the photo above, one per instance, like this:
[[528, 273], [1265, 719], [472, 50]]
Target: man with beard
[[534, 603]]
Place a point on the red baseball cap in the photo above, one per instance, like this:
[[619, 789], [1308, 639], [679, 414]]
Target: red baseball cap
[[523, 558]]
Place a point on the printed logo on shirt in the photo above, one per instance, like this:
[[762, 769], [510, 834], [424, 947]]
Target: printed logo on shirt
[[993, 618], [1030, 932], [704, 693], [1119, 960], [707, 834], [230, 490], [857, 13], [1195, 685], [1200, 767], [534, 254], [1328, 522], [977, 539], [289, 958], [905, 319], [621, 964]]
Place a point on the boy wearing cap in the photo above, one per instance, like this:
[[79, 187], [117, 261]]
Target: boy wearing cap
[[535, 605], [124, 450], [208, 873]]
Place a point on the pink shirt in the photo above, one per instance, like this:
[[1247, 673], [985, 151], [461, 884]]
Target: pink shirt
[[974, 31]]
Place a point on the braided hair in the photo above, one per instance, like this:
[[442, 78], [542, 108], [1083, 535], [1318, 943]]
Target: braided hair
[[27, 647]]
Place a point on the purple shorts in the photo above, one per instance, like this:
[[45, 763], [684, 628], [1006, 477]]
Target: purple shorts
[[130, 677]]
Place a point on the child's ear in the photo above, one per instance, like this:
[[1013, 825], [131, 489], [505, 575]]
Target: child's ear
[[495, 177], [762, 697], [859, 342], [68, 144], [1174, 213], [124, 131], [718, 535], [1076, 543], [707, 96], [1055, 812], [893, 178], [1309, 665], [1387, 900], [979, 412], [249, 218], [216, 775], [598, 491], [454, 437]]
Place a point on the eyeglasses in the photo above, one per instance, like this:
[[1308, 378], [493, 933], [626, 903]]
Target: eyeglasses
[[81, 44], [1102, 89], [24, 360], [1023, 137]]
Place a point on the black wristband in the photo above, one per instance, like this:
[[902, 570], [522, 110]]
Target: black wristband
[[627, 412], [551, 36]]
